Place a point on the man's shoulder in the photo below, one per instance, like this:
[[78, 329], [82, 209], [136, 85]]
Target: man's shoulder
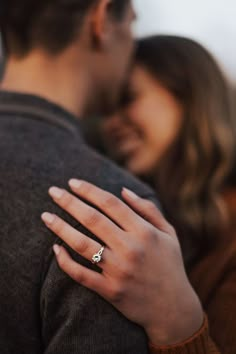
[[109, 176], [32, 150], [39, 140]]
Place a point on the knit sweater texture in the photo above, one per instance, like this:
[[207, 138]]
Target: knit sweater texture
[[41, 309]]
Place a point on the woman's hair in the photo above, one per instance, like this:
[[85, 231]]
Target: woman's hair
[[231, 178], [190, 176]]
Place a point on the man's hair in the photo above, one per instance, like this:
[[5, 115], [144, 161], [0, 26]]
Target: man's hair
[[49, 24]]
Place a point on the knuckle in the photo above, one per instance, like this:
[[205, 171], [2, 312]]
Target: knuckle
[[150, 206], [62, 262], [92, 219], [126, 274], [134, 256], [58, 226], [81, 246], [79, 278], [171, 230], [116, 293], [86, 189], [109, 201], [67, 200], [148, 234]]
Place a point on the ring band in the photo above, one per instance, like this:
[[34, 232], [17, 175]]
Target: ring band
[[97, 257]]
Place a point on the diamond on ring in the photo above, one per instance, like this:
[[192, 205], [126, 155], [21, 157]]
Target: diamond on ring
[[97, 257]]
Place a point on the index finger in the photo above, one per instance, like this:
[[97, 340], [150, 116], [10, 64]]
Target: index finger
[[112, 206]]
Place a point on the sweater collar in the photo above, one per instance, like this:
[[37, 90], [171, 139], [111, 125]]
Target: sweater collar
[[36, 107]]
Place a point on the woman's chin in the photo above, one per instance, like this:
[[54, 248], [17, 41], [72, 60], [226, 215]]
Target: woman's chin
[[138, 168]]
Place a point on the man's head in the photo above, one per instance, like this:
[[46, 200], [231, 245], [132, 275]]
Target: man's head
[[98, 31]]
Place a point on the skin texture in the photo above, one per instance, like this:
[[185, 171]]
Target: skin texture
[[140, 134], [139, 239]]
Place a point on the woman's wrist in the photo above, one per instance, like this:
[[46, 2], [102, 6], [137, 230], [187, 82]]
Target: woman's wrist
[[179, 325]]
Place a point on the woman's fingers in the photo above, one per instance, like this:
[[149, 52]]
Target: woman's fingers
[[108, 203], [91, 218], [82, 275], [79, 242], [147, 210]]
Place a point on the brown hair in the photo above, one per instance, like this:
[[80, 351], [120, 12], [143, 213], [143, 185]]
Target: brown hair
[[49, 24], [190, 176]]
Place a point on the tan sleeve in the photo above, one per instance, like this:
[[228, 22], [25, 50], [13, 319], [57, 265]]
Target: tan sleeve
[[199, 343]]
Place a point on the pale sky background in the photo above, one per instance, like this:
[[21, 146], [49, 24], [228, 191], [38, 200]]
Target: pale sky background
[[211, 22]]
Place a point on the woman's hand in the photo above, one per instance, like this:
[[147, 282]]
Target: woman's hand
[[142, 274]]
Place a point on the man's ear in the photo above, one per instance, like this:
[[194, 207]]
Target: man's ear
[[101, 25]]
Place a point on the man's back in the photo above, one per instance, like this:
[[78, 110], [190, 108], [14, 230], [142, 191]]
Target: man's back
[[41, 309]]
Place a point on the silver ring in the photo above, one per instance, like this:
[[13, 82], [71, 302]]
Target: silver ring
[[97, 257]]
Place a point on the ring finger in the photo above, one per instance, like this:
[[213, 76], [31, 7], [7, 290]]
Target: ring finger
[[79, 242]]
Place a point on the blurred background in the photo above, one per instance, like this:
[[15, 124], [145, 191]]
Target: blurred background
[[210, 22]]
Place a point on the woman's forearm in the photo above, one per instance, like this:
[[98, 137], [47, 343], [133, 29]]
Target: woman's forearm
[[182, 322], [199, 343]]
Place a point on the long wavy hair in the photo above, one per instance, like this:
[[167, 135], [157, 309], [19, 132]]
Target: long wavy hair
[[190, 176]]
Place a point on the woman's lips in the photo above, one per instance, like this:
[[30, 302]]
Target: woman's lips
[[125, 147]]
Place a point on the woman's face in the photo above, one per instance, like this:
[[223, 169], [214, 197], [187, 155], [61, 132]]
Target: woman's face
[[140, 134]]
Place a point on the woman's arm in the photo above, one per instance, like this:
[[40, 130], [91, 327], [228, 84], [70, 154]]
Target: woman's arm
[[141, 273], [199, 343]]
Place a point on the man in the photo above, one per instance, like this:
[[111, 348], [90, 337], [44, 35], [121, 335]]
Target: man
[[66, 59]]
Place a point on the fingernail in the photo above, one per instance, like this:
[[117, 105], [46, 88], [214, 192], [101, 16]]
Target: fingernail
[[75, 183], [56, 192], [48, 218], [56, 249], [130, 194]]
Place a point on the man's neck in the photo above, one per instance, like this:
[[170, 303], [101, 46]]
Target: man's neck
[[55, 79]]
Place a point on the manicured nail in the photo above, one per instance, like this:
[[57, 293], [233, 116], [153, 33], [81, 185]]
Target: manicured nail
[[130, 194], [48, 218], [56, 193], [56, 249], [75, 183]]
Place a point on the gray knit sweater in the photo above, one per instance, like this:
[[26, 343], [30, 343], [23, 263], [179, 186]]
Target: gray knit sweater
[[41, 309]]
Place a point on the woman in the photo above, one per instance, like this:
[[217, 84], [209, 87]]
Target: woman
[[175, 133]]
